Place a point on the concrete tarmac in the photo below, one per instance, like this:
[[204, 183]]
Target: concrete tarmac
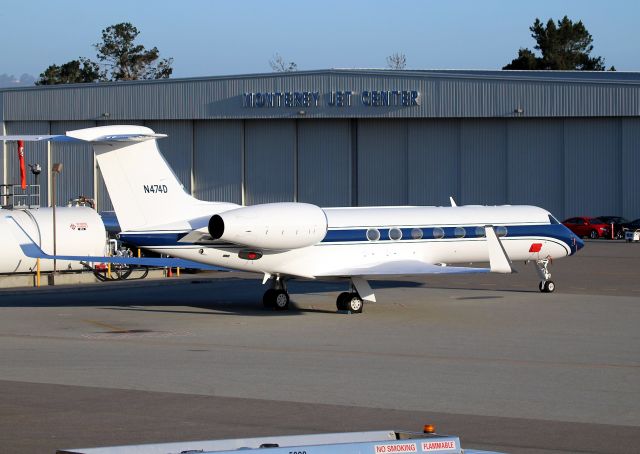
[[488, 358]]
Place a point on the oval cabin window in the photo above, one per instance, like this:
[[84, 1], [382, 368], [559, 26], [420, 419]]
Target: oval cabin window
[[395, 234], [373, 234]]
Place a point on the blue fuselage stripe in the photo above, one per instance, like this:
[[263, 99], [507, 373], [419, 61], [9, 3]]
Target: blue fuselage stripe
[[359, 235]]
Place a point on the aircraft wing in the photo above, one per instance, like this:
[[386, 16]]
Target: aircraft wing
[[402, 268], [499, 262], [32, 250]]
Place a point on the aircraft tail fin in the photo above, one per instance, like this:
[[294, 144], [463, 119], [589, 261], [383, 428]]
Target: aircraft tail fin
[[143, 189]]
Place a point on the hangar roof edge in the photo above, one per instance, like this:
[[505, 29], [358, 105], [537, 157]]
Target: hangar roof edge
[[607, 77]]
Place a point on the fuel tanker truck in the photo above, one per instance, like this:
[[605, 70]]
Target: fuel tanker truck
[[79, 231]]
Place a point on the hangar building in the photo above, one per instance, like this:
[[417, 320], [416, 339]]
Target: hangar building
[[565, 141]]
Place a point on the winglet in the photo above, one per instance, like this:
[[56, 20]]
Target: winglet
[[498, 258], [453, 202]]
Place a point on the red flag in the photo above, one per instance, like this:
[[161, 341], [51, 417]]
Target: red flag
[[23, 172]]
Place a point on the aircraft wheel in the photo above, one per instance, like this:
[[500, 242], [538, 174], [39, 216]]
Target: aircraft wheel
[[269, 298], [281, 300], [341, 301], [549, 286], [354, 303]]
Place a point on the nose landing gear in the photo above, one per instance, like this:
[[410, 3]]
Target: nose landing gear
[[546, 285]]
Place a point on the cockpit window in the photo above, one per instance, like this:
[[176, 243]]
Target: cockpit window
[[553, 220]]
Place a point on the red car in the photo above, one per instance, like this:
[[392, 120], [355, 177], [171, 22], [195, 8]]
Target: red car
[[588, 227]]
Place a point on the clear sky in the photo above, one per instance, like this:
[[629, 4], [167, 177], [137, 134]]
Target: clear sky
[[234, 37]]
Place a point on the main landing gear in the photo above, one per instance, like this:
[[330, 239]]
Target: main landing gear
[[349, 301], [546, 285], [277, 296]]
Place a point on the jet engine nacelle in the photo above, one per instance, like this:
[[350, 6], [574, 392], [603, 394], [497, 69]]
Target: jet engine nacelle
[[271, 226]]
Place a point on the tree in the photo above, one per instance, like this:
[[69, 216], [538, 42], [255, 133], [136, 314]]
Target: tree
[[78, 71], [565, 46], [120, 58], [280, 66], [397, 60], [125, 60]]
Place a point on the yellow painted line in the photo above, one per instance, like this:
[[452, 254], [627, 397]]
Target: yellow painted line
[[112, 328]]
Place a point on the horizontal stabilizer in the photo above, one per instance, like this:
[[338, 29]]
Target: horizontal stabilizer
[[32, 250], [101, 134], [498, 258]]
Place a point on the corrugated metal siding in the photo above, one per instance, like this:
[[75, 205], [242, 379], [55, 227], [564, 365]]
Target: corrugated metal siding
[[630, 165], [483, 162], [177, 148], [76, 178], [444, 94], [217, 166], [270, 161], [382, 162], [509, 158], [433, 161], [593, 180], [535, 171], [324, 162], [34, 153], [103, 201]]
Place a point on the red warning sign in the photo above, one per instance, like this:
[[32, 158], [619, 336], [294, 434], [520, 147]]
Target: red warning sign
[[398, 447], [444, 445]]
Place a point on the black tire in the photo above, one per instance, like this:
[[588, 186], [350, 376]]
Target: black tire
[[121, 272], [341, 301], [281, 300], [549, 286], [594, 235], [355, 303], [269, 298]]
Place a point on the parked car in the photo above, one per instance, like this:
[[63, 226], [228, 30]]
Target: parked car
[[588, 227], [633, 225], [618, 225]]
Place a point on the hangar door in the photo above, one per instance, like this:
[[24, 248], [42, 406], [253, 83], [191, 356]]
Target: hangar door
[[269, 161], [324, 162], [76, 178]]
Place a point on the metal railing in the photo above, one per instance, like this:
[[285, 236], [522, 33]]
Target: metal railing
[[12, 196]]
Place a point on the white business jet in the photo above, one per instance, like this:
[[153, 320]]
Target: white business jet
[[285, 241]]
